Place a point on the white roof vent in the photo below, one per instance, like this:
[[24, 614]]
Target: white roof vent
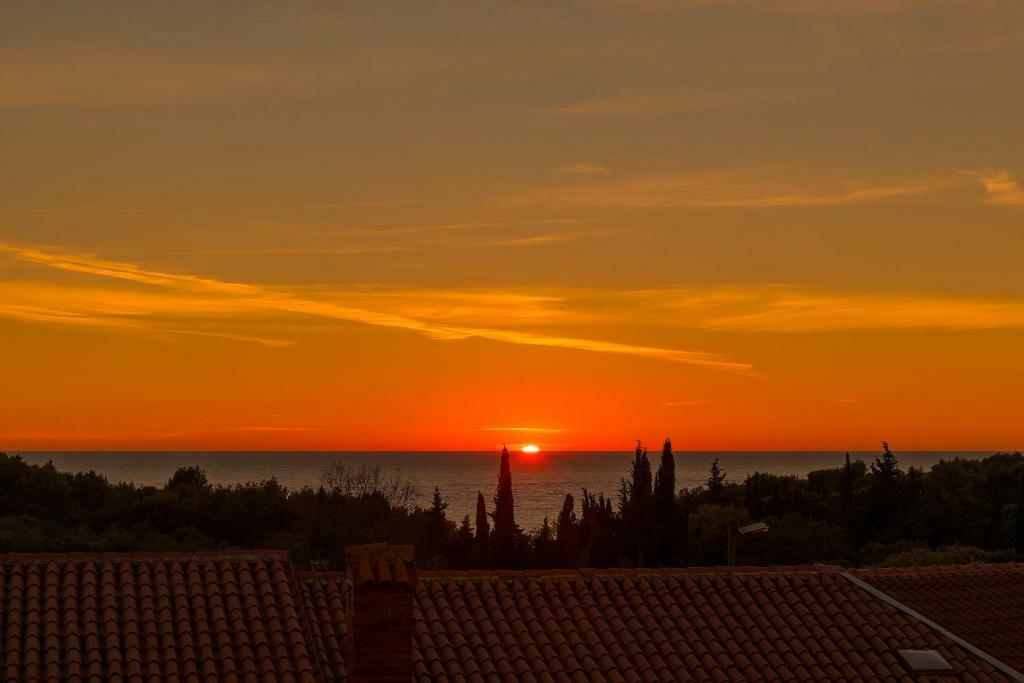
[[925, 660]]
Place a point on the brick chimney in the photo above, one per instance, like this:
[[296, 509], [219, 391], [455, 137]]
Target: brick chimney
[[382, 586]]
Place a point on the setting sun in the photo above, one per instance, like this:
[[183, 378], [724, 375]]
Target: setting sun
[[531, 448]]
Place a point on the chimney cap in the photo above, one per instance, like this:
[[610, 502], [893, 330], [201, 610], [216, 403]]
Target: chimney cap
[[380, 563]]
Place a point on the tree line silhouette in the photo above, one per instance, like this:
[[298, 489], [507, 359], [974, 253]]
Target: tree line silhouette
[[856, 513]]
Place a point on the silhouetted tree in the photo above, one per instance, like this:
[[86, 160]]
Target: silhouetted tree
[[886, 468], [683, 509], [637, 509], [1018, 538], [716, 483], [597, 538], [437, 504], [503, 547], [467, 543], [752, 488], [544, 546], [995, 497], [191, 477], [887, 504], [846, 486], [435, 544], [567, 533], [641, 482], [912, 490], [960, 506], [665, 504], [483, 528]]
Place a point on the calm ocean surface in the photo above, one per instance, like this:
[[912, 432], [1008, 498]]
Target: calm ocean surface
[[540, 482]]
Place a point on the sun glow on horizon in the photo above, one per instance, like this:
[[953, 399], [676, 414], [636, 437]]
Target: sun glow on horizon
[[627, 257]]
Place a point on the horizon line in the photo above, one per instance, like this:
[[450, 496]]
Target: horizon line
[[10, 451]]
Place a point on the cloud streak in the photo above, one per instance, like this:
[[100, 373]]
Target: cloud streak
[[785, 309], [536, 430], [658, 103], [258, 298], [1000, 187], [584, 169], [533, 241], [750, 188], [103, 78]]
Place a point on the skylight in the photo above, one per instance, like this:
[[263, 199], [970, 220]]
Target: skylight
[[925, 660]]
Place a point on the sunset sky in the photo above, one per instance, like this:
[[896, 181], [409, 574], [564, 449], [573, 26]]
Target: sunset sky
[[746, 224]]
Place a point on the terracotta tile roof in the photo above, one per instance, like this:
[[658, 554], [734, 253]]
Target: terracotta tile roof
[[981, 603], [324, 594], [247, 616], [799, 623], [152, 617]]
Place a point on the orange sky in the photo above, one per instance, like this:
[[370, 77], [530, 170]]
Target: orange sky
[[747, 225]]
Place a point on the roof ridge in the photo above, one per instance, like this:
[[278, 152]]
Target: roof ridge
[[142, 555], [941, 568], [631, 571]]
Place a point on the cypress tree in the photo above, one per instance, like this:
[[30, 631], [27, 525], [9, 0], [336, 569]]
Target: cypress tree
[[665, 504], [995, 493], [598, 547], [638, 508], [504, 515], [887, 505], [483, 528], [467, 543], [436, 541], [567, 533], [642, 484], [846, 486], [567, 517], [665, 480], [1018, 539], [544, 546], [753, 491]]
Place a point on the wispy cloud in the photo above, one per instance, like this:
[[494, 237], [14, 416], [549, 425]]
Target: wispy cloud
[[792, 6], [303, 251], [464, 226], [1000, 187], [259, 298], [584, 169], [533, 241], [651, 104], [359, 205], [746, 188], [268, 429], [853, 6], [265, 341], [169, 303], [536, 430], [103, 78], [786, 309], [74, 311]]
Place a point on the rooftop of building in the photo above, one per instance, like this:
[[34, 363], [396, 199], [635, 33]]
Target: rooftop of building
[[250, 616]]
